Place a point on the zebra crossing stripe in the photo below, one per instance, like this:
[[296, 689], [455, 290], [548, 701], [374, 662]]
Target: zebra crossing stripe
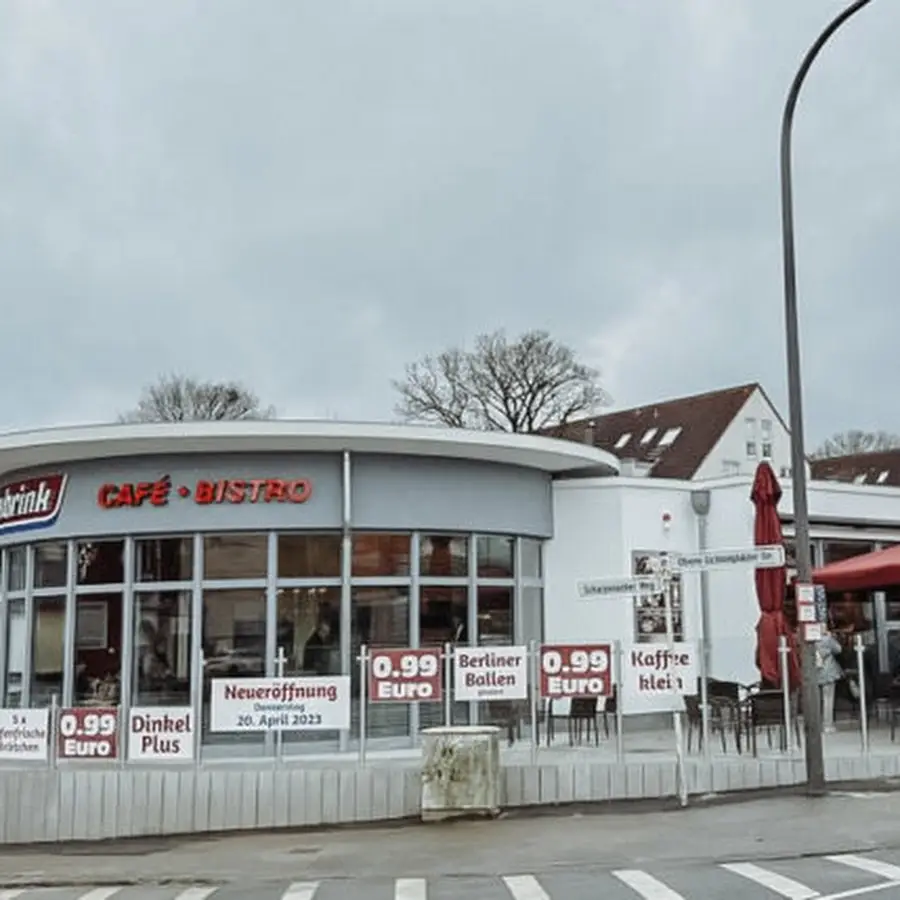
[[11, 893], [194, 893], [411, 889], [101, 893], [301, 890], [646, 885], [525, 887], [777, 884], [872, 866]]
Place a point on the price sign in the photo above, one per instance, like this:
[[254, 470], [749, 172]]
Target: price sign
[[404, 676], [88, 733], [575, 670]]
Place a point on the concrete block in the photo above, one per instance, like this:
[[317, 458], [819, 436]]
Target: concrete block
[[601, 781], [582, 785], [329, 787], [203, 804], [347, 809], [379, 786], [531, 786], [549, 784]]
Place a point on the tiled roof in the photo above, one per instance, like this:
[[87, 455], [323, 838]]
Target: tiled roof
[[674, 437], [881, 467]]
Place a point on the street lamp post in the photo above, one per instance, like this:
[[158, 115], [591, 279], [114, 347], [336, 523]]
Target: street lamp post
[[815, 761]]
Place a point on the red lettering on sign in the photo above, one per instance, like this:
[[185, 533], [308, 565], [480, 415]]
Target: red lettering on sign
[[133, 494]]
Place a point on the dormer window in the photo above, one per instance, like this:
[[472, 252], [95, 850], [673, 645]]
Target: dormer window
[[669, 437], [649, 434], [623, 440], [882, 477], [860, 479]]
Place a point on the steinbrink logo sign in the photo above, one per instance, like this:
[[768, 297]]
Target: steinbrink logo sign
[[31, 502]]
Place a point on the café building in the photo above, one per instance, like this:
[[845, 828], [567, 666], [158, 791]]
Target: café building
[[139, 562]]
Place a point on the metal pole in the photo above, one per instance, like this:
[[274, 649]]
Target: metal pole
[[533, 654], [280, 660], [363, 702], [448, 679], [706, 645], [676, 714], [620, 718], [863, 702], [783, 651], [815, 760]]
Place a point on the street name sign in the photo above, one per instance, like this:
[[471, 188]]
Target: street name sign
[[769, 556], [598, 588]]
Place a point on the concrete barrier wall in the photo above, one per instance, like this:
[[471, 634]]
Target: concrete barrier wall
[[66, 804]]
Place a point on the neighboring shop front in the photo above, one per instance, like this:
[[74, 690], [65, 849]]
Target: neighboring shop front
[[134, 581]]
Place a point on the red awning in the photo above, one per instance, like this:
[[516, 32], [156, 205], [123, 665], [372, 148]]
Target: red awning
[[868, 572]]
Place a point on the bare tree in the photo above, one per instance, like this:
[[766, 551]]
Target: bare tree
[[848, 443], [177, 398], [526, 385]]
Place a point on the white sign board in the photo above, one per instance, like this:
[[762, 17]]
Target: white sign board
[[655, 677], [490, 673], [161, 734], [320, 703], [765, 557], [24, 735], [596, 588]]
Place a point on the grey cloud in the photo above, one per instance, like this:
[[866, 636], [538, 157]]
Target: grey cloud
[[307, 195]]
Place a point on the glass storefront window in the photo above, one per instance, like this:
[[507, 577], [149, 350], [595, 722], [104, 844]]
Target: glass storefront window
[[835, 551], [308, 630], [47, 650], [532, 612], [164, 559], [309, 555], [495, 557], [380, 555], [161, 652], [495, 615], [380, 618], [50, 564], [98, 649], [443, 555], [100, 562], [15, 568], [230, 556], [531, 558], [443, 616], [15, 653]]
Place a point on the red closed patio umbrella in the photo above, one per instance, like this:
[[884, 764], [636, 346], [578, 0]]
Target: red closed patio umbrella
[[770, 583]]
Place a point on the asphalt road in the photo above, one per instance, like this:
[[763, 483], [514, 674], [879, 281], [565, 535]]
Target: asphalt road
[[791, 847]]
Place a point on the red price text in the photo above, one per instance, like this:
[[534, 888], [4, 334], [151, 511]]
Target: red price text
[[88, 733], [575, 670], [404, 676]]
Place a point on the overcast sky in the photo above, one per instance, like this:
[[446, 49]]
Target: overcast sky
[[306, 195]]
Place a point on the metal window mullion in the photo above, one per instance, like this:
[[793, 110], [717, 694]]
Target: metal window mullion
[[4, 623], [517, 635], [414, 623], [68, 696], [160, 587], [271, 604], [126, 646], [29, 627], [346, 565], [306, 583], [196, 624], [472, 616], [237, 584]]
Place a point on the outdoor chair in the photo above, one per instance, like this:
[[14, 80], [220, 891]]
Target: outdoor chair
[[506, 714], [880, 694], [893, 706], [766, 710], [694, 715], [581, 714], [728, 709], [610, 710]]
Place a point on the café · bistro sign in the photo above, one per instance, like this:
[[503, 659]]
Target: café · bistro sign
[[161, 492]]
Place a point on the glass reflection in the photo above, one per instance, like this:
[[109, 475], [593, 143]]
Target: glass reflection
[[100, 562], [162, 649], [50, 564], [47, 650], [98, 649], [496, 556], [230, 556], [495, 615], [309, 555], [15, 653], [164, 559], [382, 555], [15, 568], [309, 622], [442, 555]]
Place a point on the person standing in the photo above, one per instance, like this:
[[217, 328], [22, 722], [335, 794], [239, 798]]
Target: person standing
[[829, 674]]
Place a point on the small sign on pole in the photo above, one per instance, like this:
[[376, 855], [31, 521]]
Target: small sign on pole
[[598, 588], [768, 556]]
